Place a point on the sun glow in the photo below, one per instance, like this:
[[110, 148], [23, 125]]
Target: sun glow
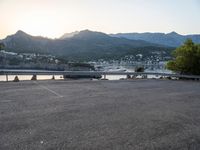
[[52, 18], [40, 22], [39, 25]]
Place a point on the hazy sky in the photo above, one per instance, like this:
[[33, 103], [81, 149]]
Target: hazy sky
[[52, 18]]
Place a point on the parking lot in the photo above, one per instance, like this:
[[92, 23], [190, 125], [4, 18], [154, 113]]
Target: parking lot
[[81, 114]]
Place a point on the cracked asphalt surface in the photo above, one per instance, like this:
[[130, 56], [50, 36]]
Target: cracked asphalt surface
[[100, 115]]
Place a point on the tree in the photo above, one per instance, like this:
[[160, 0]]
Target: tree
[[2, 46], [186, 59]]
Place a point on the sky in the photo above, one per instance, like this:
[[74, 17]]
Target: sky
[[53, 18]]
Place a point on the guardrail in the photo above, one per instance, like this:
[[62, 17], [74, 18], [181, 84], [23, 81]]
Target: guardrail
[[94, 73]]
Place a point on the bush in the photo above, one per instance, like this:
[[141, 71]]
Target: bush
[[139, 69]]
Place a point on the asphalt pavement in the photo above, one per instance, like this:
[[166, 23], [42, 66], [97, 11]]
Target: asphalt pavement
[[100, 115]]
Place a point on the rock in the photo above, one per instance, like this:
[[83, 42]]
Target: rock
[[128, 77], [134, 77], [16, 79], [34, 77]]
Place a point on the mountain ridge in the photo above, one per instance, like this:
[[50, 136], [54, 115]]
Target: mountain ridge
[[85, 44], [172, 39]]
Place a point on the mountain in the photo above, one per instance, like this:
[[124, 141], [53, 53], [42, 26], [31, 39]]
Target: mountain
[[23, 42], [84, 45], [172, 39], [69, 35]]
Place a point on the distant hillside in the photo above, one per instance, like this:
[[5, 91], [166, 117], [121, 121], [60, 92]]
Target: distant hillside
[[85, 45], [23, 42], [172, 39], [69, 35]]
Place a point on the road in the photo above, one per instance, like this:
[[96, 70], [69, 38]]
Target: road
[[100, 115]]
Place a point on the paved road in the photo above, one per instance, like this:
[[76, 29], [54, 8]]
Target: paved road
[[118, 115]]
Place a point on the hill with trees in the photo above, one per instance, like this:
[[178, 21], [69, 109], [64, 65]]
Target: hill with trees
[[83, 45]]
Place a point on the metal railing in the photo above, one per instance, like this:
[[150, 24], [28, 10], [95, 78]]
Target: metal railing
[[94, 73]]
